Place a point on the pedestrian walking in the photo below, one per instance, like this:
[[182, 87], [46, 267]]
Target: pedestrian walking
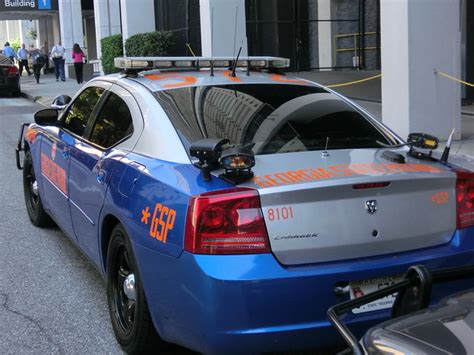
[[38, 58], [9, 52], [78, 57], [44, 49], [23, 59], [57, 53]]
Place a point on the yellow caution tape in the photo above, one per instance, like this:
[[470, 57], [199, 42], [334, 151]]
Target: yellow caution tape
[[354, 82], [453, 78]]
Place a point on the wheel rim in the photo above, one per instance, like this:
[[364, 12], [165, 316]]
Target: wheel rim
[[124, 294], [32, 187]]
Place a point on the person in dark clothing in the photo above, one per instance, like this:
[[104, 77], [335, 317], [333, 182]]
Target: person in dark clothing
[[23, 59], [38, 59], [78, 57]]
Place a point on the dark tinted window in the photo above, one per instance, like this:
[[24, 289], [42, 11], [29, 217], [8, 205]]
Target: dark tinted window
[[113, 123], [81, 110], [5, 60], [277, 118]]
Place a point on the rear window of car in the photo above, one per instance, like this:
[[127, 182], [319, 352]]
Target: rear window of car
[[271, 118], [5, 60]]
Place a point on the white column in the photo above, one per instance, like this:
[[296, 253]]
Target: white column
[[223, 27], [107, 20], [326, 31], [71, 29], [24, 27], [138, 16], [45, 33], [418, 37]]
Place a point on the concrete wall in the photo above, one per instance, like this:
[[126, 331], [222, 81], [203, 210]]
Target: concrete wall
[[91, 43], [418, 37], [223, 28], [326, 32], [138, 16]]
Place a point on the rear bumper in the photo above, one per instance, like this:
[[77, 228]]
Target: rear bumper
[[251, 303], [9, 83]]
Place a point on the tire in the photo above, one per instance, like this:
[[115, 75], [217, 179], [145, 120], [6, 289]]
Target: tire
[[17, 93], [34, 205], [131, 320]]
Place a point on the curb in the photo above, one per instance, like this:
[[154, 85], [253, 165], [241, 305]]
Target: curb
[[30, 97]]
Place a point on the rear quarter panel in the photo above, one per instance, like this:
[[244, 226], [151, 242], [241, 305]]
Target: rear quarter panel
[[150, 197]]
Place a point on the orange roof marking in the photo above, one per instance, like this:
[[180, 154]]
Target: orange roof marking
[[186, 79], [282, 79], [232, 78]]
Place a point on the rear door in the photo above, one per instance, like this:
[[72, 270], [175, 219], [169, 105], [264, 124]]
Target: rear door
[[55, 155], [93, 160]]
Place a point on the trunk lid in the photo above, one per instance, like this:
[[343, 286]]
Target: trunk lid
[[320, 209]]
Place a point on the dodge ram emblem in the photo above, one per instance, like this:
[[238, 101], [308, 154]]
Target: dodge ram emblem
[[371, 206]]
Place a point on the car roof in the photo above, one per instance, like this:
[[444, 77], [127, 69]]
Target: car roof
[[156, 80]]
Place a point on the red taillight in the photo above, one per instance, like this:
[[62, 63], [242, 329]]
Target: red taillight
[[12, 71], [465, 199], [226, 222]]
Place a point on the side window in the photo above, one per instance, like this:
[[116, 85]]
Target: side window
[[113, 123], [81, 110]]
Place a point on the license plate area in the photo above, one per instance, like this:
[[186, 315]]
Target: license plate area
[[364, 287]]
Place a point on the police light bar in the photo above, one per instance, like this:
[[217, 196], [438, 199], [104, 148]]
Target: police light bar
[[144, 63]]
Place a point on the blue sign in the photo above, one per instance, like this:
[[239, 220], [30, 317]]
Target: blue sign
[[44, 4]]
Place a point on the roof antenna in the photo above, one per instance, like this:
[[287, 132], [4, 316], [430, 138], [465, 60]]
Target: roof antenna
[[234, 66], [190, 50], [212, 41], [235, 27], [325, 154], [194, 55], [444, 157]]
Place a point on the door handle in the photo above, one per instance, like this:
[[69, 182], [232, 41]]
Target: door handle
[[101, 176]]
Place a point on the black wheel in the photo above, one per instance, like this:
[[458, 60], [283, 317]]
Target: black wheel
[[128, 308], [17, 93], [34, 205]]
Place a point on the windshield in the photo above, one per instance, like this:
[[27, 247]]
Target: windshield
[[271, 118]]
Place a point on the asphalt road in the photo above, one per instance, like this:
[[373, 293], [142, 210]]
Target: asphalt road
[[52, 300]]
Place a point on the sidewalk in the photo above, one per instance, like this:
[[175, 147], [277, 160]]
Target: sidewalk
[[44, 92], [365, 94]]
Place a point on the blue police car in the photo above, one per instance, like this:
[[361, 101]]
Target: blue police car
[[228, 205]]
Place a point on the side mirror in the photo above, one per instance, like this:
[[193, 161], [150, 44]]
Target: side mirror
[[423, 141], [46, 117], [60, 102]]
